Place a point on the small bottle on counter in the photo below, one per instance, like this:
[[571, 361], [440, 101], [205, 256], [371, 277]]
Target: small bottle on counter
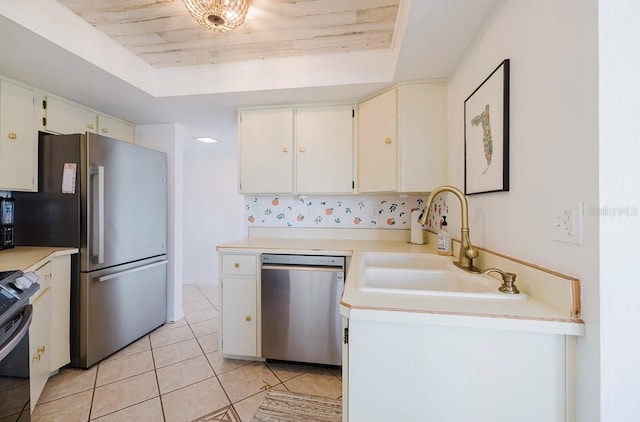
[[444, 238]]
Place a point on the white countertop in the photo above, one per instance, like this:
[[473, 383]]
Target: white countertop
[[24, 258], [521, 315]]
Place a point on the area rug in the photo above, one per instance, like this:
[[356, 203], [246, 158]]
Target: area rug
[[285, 406]]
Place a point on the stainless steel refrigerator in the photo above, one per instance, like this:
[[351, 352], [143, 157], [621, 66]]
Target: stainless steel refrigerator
[[108, 198]]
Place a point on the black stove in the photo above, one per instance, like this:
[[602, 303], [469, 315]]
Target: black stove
[[15, 317], [15, 290]]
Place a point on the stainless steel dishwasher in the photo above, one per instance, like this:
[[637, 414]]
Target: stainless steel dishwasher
[[300, 299]]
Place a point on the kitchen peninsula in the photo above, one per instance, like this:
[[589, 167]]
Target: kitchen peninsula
[[459, 357]]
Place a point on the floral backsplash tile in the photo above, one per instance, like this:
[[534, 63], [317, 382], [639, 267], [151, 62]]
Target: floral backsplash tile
[[381, 212]]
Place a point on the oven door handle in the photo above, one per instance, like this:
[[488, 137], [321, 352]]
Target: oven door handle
[[10, 344]]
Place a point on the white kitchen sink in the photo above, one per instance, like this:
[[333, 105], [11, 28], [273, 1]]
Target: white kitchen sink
[[405, 260], [425, 274]]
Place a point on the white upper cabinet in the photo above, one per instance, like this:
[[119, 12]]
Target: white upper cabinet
[[296, 150], [63, 117], [266, 150], [422, 134], [115, 129], [18, 142], [378, 143], [402, 139], [324, 149]]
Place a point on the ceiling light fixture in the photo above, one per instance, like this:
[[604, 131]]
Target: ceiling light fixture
[[207, 140], [218, 15]]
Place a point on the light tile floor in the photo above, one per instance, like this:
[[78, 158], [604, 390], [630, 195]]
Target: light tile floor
[[175, 374]]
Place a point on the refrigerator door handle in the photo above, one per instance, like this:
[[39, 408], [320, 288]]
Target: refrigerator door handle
[[133, 270], [99, 258]]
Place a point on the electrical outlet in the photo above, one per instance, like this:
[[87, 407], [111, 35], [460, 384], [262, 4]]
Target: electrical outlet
[[567, 222]]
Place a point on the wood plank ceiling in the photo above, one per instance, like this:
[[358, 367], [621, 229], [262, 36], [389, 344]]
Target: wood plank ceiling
[[163, 33]]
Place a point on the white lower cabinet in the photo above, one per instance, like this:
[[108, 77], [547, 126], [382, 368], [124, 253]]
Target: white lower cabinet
[[60, 312], [239, 333], [49, 330], [40, 334], [240, 310], [411, 372]]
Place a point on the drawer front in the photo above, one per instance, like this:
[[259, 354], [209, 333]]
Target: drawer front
[[239, 264], [45, 275]]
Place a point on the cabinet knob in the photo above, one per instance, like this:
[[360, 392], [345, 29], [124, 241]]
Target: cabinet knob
[[285, 149], [387, 140], [247, 318], [90, 125], [38, 355], [105, 130], [236, 265], [301, 149], [13, 135]]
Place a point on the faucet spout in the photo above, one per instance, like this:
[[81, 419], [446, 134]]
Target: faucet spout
[[467, 252]]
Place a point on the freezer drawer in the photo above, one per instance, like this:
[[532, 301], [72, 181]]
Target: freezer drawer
[[120, 305]]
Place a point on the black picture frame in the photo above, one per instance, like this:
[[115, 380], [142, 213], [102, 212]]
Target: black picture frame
[[486, 134]]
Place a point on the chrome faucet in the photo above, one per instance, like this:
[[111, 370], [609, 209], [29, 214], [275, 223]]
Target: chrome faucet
[[467, 252]]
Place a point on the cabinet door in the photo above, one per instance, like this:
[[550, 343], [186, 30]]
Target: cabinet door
[[324, 149], [423, 136], [266, 151], [39, 345], [115, 129], [60, 312], [65, 118], [239, 316], [377, 143], [18, 143]]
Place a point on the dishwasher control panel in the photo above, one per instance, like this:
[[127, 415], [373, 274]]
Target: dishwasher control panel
[[308, 260]]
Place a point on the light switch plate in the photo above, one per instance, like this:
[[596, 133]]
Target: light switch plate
[[567, 222]]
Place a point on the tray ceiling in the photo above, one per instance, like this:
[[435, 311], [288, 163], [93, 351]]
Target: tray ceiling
[[163, 33]]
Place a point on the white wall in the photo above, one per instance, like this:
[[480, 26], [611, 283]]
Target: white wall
[[168, 138], [553, 48], [619, 133], [213, 211]]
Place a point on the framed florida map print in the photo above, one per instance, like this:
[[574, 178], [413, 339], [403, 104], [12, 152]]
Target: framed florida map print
[[486, 134]]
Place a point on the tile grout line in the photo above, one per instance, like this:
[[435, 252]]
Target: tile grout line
[[93, 392], [155, 371], [205, 355]]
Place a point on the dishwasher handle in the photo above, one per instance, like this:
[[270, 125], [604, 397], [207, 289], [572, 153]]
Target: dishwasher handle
[[302, 268]]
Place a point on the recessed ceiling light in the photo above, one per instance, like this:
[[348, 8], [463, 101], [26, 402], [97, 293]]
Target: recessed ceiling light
[[207, 140]]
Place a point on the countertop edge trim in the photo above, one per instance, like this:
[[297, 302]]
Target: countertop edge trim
[[574, 326]]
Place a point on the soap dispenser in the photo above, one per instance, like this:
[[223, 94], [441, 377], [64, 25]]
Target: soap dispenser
[[444, 238]]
